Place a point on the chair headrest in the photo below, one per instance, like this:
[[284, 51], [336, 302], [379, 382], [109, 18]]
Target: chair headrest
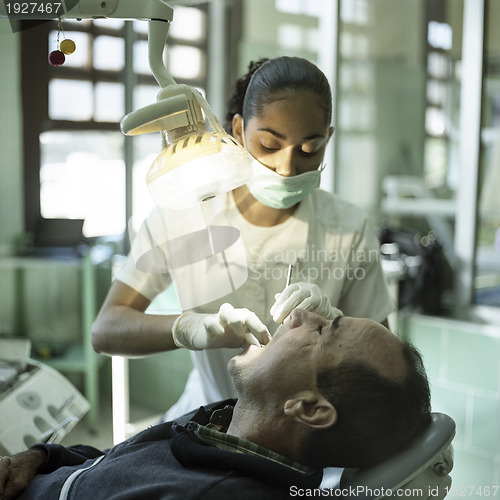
[[423, 451]]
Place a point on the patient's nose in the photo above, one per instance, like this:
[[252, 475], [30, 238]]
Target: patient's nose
[[299, 316]]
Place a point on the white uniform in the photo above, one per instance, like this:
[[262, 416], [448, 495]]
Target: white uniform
[[329, 241]]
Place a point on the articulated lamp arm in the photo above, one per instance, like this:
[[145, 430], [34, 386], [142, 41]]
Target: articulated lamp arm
[[157, 12]]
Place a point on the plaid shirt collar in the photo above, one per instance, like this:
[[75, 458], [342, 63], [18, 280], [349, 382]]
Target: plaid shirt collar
[[214, 434]]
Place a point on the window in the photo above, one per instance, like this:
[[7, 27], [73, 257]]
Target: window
[[440, 121], [77, 161], [297, 25], [487, 245]]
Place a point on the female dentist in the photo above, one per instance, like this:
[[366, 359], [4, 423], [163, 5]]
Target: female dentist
[[281, 112]]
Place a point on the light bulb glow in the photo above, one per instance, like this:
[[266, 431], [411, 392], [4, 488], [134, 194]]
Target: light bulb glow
[[196, 168]]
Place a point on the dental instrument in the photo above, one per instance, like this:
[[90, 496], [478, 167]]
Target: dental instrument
[[250, 339], [288, 281], [289, 275]]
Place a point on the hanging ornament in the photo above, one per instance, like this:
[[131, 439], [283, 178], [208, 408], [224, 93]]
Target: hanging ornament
[[56, 58], [67, 46]]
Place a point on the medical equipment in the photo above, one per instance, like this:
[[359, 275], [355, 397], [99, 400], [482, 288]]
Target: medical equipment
[[37, 404], [289, 275], [419, 470], [288, 280], [195, 164]]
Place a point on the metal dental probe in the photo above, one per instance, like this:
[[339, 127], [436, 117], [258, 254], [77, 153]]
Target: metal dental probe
[[289, 275], [288, 281]]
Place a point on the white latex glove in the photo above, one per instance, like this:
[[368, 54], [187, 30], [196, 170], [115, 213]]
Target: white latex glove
[[304, 296], [230, 327]]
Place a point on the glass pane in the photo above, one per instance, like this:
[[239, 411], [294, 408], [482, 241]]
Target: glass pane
[[487, 279], [434, 121], [141, 27], [435, 161], [71, 100], [437, 65], [313, 7], [188, 24], [81, 56], [185, 62], [109, 53], [144, 95], [109, 102], [355, 12], [436, 92], [83, 176], [290, 36], [354, 46], [141, 63], [116, 24], [289, 6], [313, 39], [439, 35]]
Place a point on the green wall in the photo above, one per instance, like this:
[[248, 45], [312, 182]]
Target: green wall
[[463, 363], [11, 168]]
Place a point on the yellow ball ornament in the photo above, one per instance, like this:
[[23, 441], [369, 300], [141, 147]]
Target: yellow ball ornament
[[67, 46]]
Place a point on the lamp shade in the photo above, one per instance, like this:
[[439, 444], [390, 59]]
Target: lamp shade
[[196, 164], [195, 168]]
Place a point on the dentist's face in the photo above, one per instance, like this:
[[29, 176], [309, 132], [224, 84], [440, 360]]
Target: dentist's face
[[308, 343], [289, 136]]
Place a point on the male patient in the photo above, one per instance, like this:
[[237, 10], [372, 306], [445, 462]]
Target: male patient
[[346, 393]]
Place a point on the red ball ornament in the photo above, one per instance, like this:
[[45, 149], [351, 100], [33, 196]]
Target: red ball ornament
[[56, 58]]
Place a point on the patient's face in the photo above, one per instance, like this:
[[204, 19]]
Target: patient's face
[[309, 342]]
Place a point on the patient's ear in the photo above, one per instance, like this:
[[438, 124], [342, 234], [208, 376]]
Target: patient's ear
[[311, 408]]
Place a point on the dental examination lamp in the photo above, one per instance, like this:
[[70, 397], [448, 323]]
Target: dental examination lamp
[[196, 163]]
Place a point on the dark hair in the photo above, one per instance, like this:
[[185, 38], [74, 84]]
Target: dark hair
[[376, 415], [267, 77]]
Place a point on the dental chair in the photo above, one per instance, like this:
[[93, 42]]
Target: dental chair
[[420, 470]]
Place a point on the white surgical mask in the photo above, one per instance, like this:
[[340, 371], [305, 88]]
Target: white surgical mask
[[277, 191]]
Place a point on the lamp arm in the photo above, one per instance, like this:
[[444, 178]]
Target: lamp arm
[[157, 12], [157, 37], [212, 118]]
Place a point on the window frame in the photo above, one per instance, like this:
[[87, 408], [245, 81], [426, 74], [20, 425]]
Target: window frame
[[35, 41]]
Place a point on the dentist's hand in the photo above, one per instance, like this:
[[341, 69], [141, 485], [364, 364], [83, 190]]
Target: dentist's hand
[[230, 327], [304, 296]]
